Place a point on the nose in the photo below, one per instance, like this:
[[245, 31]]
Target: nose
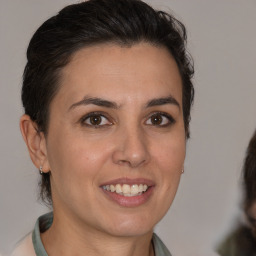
[[131, 148]]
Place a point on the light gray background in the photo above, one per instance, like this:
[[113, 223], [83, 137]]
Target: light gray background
[[222, 40]]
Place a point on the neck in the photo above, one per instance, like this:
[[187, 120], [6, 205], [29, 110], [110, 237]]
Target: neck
[[71, 239]]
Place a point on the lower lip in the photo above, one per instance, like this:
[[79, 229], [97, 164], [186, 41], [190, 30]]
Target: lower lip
[[132, 201]]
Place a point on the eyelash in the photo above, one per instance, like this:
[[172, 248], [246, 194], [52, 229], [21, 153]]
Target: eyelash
[[83, 120], [169, 118], [95, 114]]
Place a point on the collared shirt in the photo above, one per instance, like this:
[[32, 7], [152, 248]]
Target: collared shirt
[[32, 244]]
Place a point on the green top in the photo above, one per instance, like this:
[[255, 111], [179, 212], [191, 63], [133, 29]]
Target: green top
[[44, 222], [239, 243]]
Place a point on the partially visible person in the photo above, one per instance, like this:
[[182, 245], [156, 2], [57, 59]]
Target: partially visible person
[[242, 242]]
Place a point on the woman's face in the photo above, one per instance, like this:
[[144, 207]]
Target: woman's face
[[116, 141]]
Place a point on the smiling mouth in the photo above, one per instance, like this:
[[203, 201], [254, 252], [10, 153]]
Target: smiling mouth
[[126, 189]]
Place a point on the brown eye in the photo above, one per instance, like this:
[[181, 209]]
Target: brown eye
[[95, 120], [156, 119], [160, 119]]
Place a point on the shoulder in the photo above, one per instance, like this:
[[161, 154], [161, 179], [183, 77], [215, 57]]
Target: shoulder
[[32, 245], [24, 247]]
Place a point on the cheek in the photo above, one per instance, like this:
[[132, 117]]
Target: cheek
[[75, 156], [75, 166], [169, 159], [170, 155]]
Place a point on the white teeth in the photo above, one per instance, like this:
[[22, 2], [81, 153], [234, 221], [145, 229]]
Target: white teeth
[[112, 188], [134, 189], [127, 190], [118, 188]]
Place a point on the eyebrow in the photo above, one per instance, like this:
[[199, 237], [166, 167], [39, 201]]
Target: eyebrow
[[109, 104], [163, 101], [95, 101]]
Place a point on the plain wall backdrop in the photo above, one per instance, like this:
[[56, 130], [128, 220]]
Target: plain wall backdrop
[[222, 41]]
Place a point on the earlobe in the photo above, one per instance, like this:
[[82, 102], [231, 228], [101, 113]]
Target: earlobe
[[35, 141]]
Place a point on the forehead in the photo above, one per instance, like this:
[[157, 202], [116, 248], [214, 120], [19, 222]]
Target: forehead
[[114, 71]]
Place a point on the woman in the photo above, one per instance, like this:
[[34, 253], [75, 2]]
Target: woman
[[107, 94], [243, 240]]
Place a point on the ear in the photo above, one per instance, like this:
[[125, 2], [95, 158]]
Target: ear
[[36, 143]]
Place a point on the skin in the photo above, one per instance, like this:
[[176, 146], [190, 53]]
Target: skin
[[127, 143]]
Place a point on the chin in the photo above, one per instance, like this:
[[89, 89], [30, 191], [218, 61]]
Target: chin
[[131, 226]]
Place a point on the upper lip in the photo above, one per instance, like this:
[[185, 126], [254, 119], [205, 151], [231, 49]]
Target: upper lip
[[129, 181]]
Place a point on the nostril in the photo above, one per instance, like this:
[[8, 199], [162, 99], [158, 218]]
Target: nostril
[[124, 162], [131, 163]]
